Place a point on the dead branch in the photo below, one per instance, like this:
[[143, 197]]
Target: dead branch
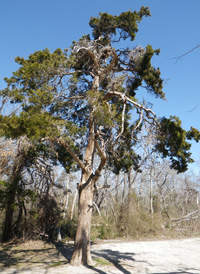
[[122, 129], [187, 217], [126, 98], [184, 54]]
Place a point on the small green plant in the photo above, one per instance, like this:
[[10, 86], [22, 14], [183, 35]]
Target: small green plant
[[102, 261], [105, 232], [68, 229], [57, 264]]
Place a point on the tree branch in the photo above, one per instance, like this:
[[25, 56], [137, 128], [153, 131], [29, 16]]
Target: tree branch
[[71, 152], [122, 130], [184, 218], [126, 98], [110, 66], [138, 124], [184, 54]]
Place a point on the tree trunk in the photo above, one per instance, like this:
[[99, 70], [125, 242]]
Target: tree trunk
[[8, 228], [81, 253]]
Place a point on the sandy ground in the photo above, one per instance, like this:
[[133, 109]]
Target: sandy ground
[[152, 257]]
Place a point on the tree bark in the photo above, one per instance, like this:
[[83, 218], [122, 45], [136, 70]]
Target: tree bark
[[81, 253]]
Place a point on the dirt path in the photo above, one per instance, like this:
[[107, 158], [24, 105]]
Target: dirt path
[[152, 257]]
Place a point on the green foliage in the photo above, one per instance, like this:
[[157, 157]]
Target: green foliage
[[107, 25], [122, 159], [33, 86], [193, 133], [149, 74], [36, 70], [33, 125], [172, 143]]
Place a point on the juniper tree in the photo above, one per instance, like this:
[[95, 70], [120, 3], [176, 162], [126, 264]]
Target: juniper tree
[[83, 101]]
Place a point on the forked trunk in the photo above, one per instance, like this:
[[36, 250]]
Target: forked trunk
[[81, 253]]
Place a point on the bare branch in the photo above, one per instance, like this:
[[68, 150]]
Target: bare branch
[[97, 208], [122, 130], [126, 98], [3, 102], [185, 218], [184, 54], [76, 49], [139, 123]]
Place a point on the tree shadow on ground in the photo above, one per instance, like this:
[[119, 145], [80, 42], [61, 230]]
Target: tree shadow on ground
[[66, 251], [7, 260], [117, 258]]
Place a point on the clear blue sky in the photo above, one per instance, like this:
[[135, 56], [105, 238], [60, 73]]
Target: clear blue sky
[[27, 26]]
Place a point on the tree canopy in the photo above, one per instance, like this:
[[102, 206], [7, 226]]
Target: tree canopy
[[56, 92]]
